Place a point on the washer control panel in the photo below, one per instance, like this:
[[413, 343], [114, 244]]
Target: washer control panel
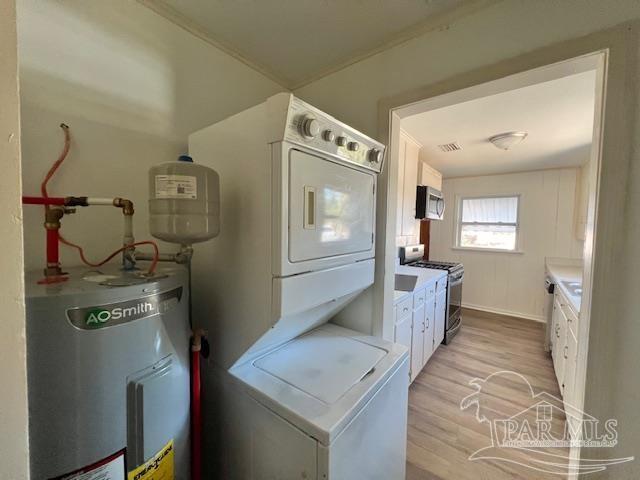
[[309, 126]]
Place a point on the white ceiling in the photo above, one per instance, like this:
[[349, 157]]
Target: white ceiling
[[297, 41], [557, 114]]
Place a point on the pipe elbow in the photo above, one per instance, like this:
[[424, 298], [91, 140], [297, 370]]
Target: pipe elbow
[[52, 218], [125, 204], [196, 339]]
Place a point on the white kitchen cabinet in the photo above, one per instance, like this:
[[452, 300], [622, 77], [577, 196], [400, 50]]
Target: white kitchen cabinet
[[429, 176], [571, 367], [401, 161], [411, 172], [419, 323], [440, 313], [411, 153], [555, 332], [417, 341], [561, 343], [402, 330], [564, 346], [429, 322], [570, 360]]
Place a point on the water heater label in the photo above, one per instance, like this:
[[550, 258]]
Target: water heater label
[[158, 467], [110, 468], [176, 186], [102, 316]]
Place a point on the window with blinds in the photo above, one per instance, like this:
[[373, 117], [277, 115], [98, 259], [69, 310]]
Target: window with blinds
[[488, 222]]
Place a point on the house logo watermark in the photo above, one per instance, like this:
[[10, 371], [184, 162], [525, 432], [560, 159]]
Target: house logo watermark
[[539, 435]]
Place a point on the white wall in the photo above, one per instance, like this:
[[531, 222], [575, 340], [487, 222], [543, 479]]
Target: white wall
[[132, 86], [512, 283], [14, 460], [506, 38]]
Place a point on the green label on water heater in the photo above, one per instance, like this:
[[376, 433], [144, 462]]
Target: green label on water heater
[[100, 316]]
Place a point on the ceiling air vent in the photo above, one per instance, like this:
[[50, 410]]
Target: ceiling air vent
[[450, 147]]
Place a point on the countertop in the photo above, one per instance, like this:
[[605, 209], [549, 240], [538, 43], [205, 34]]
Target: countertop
[[425, 276], [566, 270]]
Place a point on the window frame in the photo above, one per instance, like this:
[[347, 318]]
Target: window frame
[[457, 243]]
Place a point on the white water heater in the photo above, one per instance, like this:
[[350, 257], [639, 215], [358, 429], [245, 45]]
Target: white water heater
[[108, 373], [184, 202]]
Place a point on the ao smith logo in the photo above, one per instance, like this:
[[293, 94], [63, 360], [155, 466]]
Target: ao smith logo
[[109, 315], [100, 316]]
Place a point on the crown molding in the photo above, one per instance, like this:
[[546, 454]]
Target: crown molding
[[175, 17], [440, 21]]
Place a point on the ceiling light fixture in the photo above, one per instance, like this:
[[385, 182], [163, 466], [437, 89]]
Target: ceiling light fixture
[[505, 141]]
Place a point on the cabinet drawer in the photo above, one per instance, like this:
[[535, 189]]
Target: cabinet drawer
[[419, 297], [404, 308]]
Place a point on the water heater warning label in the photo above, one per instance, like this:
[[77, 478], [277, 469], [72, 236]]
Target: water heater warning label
[[158, 467], [176, 186], [110, 468]]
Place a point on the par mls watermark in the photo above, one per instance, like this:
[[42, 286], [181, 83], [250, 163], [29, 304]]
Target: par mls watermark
[[540, 435]]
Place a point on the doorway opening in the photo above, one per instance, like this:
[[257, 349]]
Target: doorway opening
[[516, 161]]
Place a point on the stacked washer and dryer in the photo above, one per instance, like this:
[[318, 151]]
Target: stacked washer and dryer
[[291, 394]]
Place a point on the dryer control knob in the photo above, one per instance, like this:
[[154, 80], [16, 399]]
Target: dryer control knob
[[309, 127], [375, 155], [353, 146], [341, 141], [328, 135]]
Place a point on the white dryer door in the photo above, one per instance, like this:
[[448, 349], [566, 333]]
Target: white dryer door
[[331, 208]]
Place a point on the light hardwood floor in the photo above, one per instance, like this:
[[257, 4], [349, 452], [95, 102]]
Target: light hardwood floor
[[442, 436]]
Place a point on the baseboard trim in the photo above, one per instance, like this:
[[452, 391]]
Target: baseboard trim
[[500, 311]]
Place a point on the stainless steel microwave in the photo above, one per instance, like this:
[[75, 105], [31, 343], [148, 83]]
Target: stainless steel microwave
[[429, 203]]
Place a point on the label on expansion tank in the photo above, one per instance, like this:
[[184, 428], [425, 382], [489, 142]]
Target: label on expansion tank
[[102, 316], [176, 186]]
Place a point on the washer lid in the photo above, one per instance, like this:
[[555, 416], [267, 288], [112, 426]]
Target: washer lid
[[321, 380], [323, 366]]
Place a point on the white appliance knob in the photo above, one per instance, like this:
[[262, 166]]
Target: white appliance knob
[[341, 141], [353, 146], [375, 155], [310, 127], [328, 135]]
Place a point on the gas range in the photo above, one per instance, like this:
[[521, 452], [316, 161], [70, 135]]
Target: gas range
[[450, 267], [412, 256]]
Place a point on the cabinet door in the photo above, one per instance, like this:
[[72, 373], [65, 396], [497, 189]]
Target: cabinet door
[[430, 177], [417, 341], [570, 359], [429, 324], [553, 340], [440, 318], [401, 153], [556, 342], [410, 183], [402, 331], [561, 351]]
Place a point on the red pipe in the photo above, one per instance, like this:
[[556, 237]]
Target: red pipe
[[196, 415], [53, 247], [43, 200]]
